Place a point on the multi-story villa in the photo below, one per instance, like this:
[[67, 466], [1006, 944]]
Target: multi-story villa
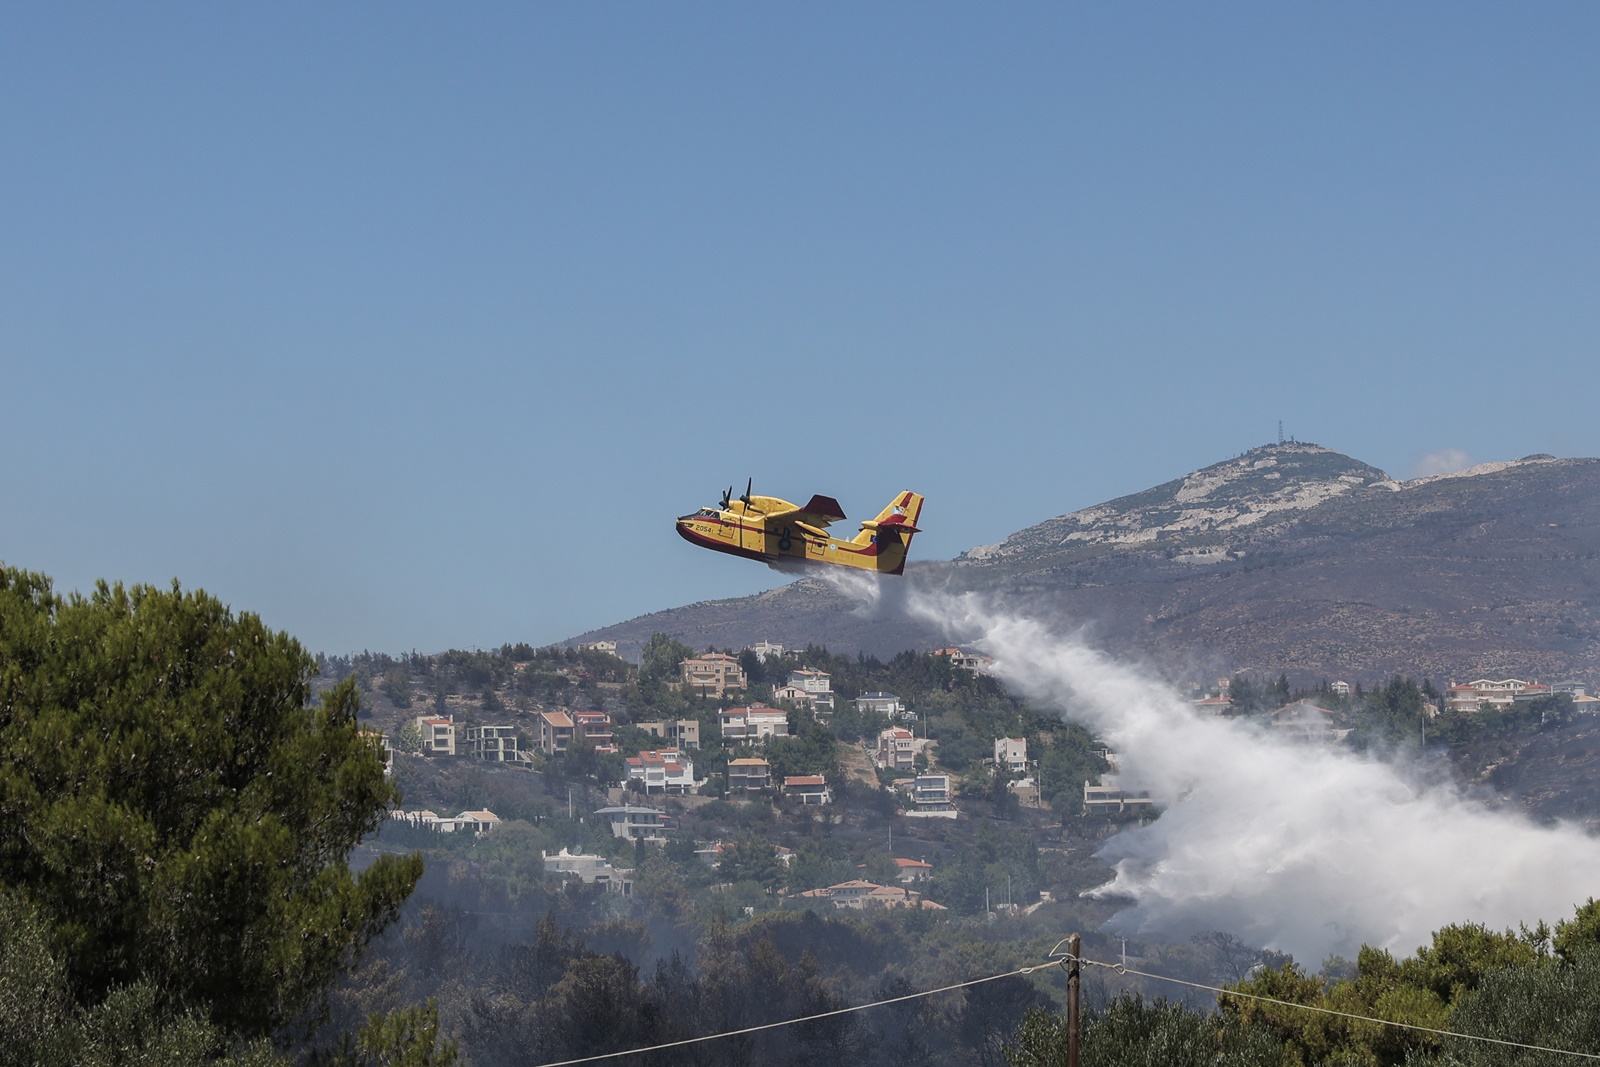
[[497, 744], [438, 735], [664, 771], [712, 675], [1012, 754], [754, 723], [896, 749], [679, 733]]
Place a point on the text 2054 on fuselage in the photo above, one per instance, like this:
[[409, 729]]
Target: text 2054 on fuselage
[[779, 533]]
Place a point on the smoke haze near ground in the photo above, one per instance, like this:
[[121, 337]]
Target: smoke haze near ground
[[1294, 846]]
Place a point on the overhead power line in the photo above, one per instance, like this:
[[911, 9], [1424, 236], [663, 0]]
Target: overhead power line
[[801, 1019], [1124, 969], [1057, 959]]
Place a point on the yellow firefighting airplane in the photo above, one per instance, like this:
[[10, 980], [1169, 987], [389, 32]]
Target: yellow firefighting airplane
[[777, 532]]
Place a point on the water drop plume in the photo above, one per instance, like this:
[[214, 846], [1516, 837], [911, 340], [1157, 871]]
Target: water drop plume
[[1305, 848]]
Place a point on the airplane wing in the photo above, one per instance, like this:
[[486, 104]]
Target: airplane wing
[[818, 511]]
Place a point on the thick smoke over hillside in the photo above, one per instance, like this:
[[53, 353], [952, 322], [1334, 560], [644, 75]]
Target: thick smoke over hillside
[[1298, 847]]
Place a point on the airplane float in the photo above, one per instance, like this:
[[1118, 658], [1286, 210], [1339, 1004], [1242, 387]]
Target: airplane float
[[779, 533]]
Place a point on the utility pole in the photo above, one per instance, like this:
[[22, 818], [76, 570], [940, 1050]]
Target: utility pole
[[1074, 947]]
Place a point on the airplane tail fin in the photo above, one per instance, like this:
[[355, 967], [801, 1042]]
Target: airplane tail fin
[[893, 529]]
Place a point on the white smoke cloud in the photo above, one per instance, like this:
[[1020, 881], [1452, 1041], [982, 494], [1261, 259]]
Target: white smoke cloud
[[1298, 847], [1441, 461]]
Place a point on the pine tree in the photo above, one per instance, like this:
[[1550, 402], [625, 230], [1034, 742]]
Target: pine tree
[[178, 808]]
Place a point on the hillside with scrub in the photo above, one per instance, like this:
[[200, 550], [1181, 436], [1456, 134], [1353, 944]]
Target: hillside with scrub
[[214, 872]]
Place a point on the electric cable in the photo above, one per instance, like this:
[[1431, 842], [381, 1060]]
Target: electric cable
[[1061, 961], [1122, 968], [801, 1019]]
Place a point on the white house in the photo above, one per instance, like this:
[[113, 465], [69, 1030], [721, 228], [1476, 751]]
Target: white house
[[931, 795], [663, 771], [816, 685], [477, 822], [792, 694], [754, 723], [1470, 696], [1109, 797], [473, 822], [913, 870], [637, 823], [590, 870], [883, 703], [1012, 754]]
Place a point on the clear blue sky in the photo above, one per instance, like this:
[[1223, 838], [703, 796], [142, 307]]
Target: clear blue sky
[[414, 326]]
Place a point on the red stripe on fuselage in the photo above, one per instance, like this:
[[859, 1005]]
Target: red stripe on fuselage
[[717, 545]]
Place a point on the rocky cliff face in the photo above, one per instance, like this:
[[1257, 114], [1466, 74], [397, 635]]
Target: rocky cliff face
[[1290, 558]]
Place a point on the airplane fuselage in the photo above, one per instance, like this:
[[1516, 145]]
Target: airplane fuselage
[[743, 529]]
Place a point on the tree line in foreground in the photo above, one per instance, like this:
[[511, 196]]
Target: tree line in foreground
[[1536, 987]]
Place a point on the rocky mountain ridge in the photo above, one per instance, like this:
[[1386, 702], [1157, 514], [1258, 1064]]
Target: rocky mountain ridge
[[1289, 558], [1200, 510]]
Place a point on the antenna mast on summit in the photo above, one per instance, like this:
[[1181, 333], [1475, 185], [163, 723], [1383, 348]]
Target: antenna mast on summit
[[1280, 431]]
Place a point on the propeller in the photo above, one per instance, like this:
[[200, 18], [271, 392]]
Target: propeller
[[748, 483], [727, 498]]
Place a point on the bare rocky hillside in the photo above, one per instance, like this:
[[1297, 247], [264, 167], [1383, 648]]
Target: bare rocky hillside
[[1290, 558]]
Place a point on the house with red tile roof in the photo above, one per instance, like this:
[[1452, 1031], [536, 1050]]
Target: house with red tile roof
[[712, 675], [595, 727], [967, 661], [662, 772], [754, 723], [438, 735], [808, 789], [913, 870], [897, 750]]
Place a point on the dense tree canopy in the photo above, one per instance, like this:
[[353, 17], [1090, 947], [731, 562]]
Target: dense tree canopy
[[175, 807]]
